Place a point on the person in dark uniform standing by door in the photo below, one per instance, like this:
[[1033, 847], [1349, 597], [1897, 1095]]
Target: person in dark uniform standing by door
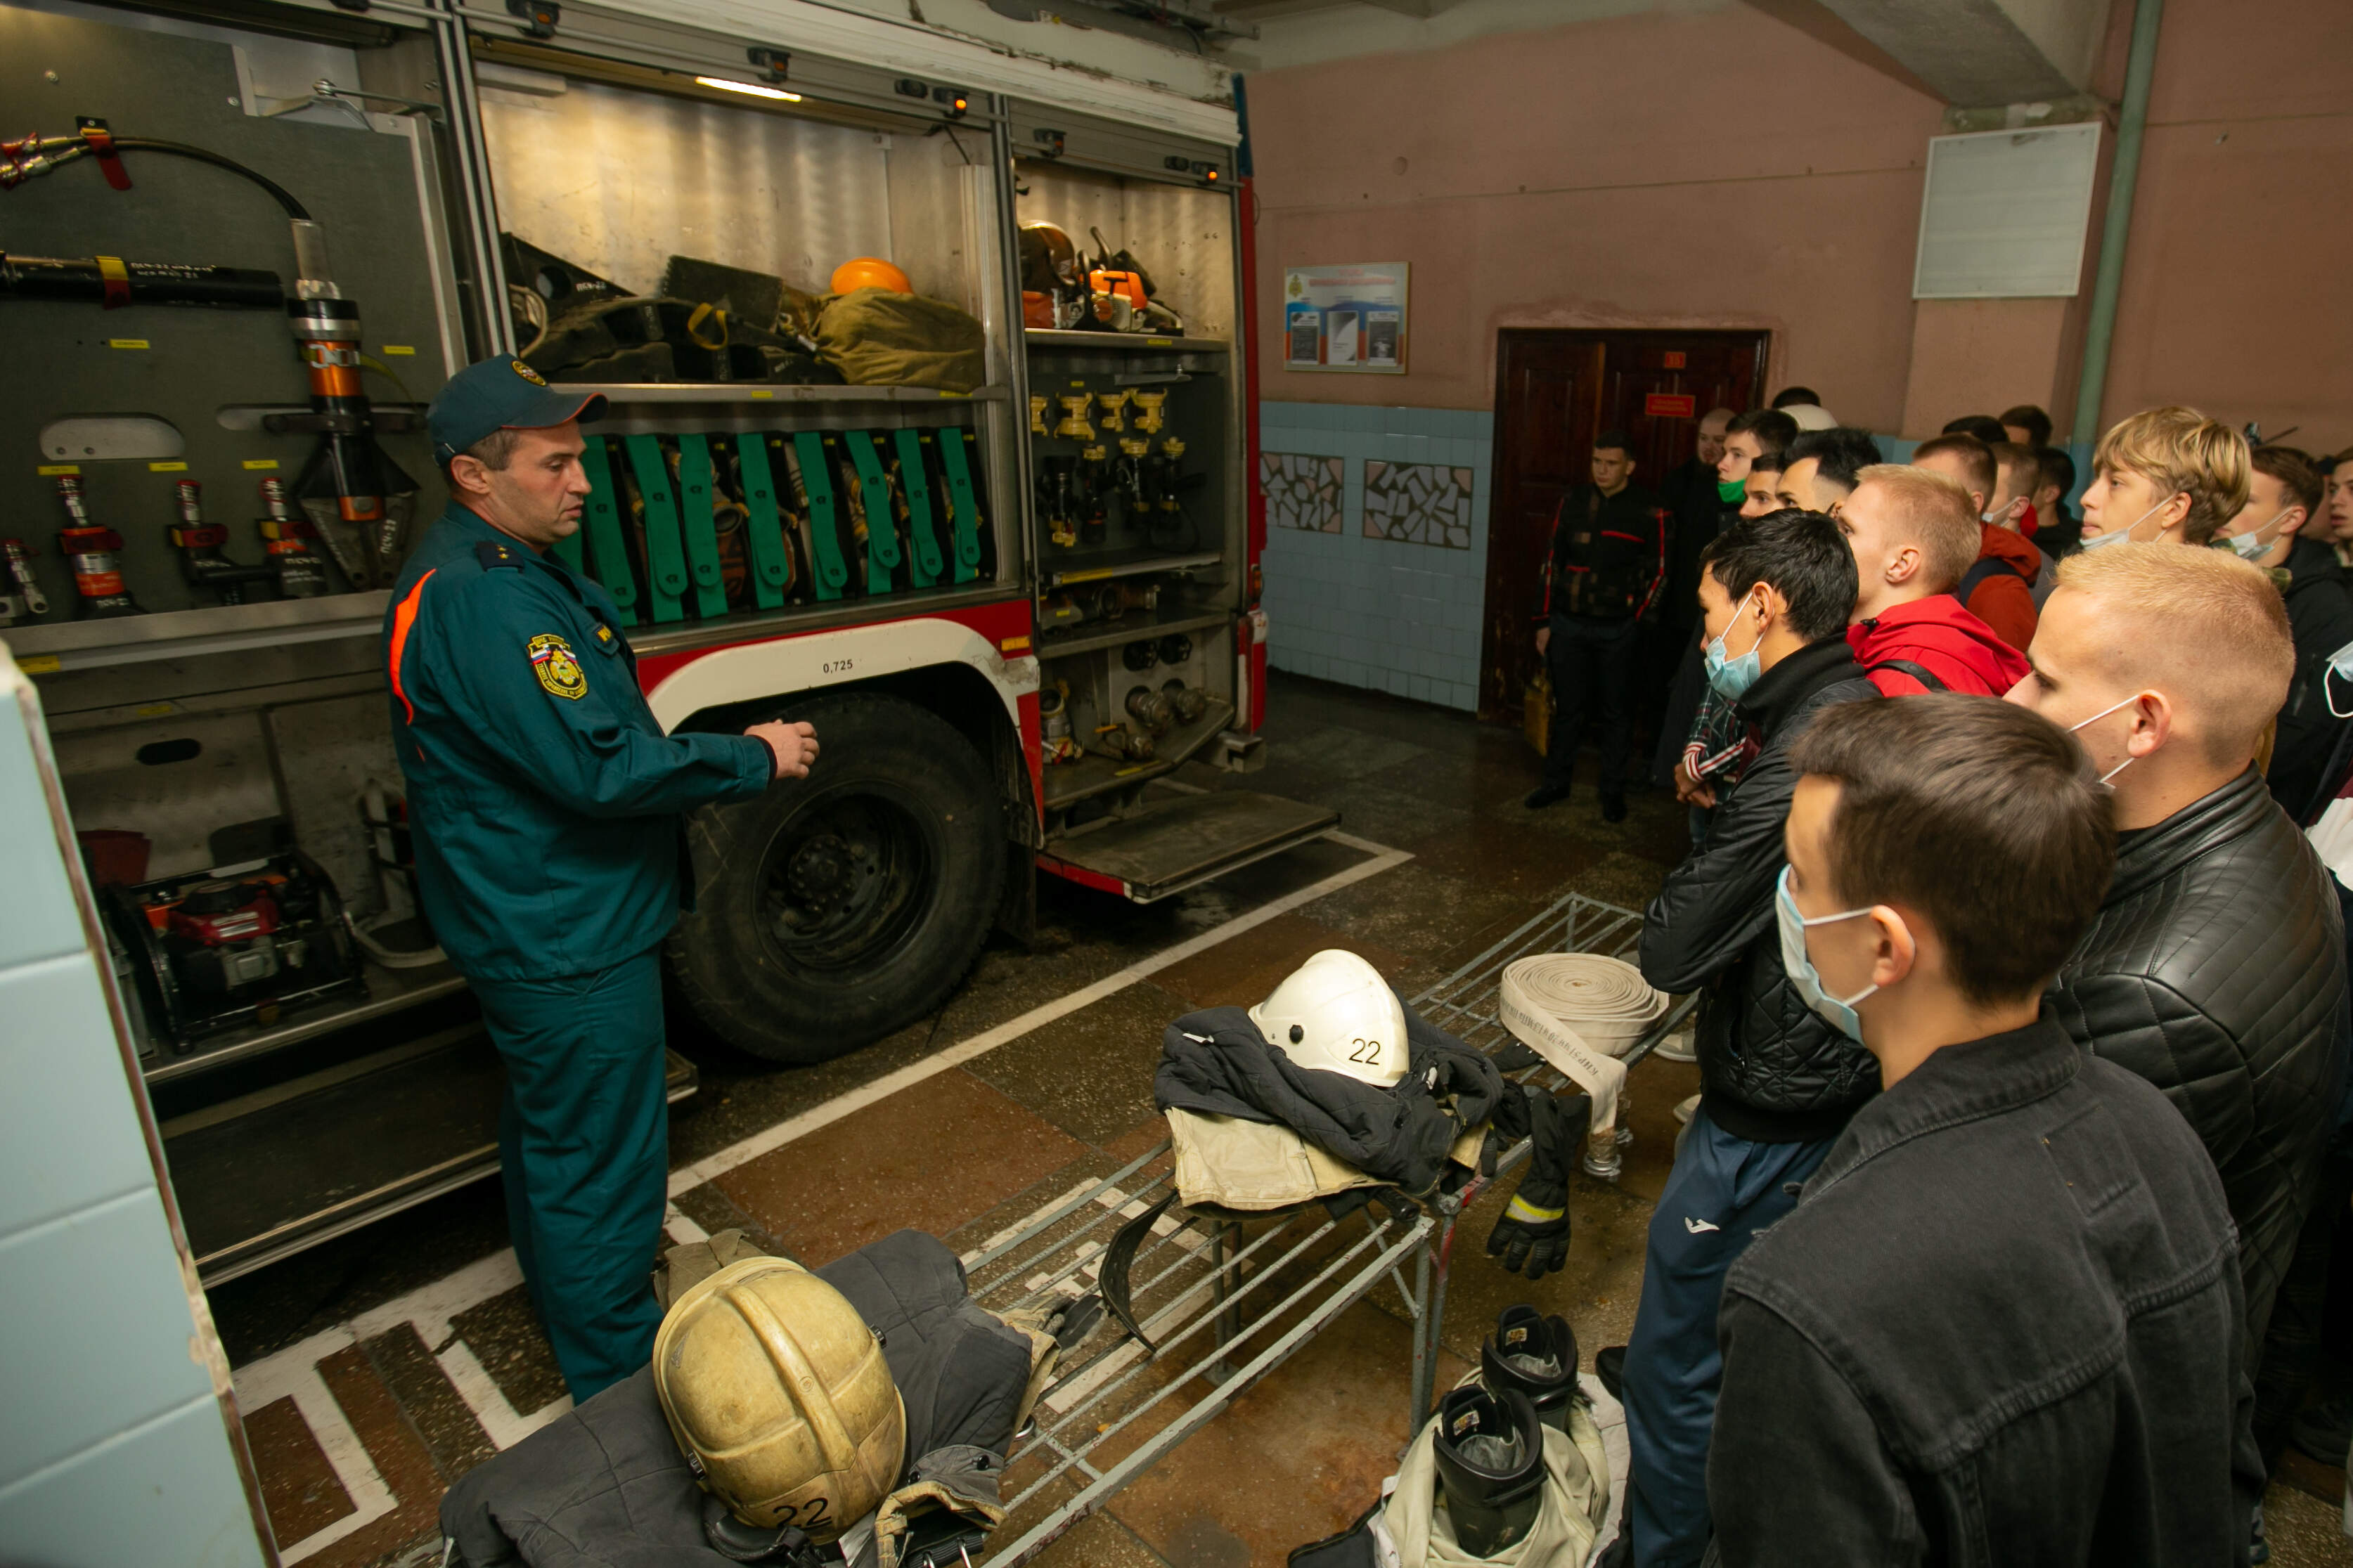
[[546, 805], [1603, 576]]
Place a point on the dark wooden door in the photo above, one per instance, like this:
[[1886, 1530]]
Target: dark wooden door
[[1555, 390]]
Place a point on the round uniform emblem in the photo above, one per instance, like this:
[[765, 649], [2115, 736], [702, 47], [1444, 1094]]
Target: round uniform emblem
[[528, 374], [558, 670]]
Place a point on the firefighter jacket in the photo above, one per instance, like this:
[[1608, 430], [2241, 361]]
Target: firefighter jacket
[[544, 796], [605, 1486], [1217, 1063], [1609, 555]]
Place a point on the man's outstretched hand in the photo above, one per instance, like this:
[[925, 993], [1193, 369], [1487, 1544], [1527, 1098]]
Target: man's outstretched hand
[[794, 746]]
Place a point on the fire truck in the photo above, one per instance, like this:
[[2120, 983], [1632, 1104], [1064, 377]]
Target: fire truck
[[249, 240]]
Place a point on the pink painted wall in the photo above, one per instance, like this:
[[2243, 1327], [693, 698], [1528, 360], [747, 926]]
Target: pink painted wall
[[2235, 289], [1722, 167], [1688, 168]]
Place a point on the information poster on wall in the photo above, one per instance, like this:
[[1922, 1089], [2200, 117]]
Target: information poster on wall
[[1345, 317]]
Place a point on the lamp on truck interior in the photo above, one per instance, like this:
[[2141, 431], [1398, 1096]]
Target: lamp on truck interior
[[750, 89]]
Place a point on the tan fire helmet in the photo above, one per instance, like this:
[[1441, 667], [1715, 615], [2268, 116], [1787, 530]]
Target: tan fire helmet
[[779, 1397], [1336, 1013]]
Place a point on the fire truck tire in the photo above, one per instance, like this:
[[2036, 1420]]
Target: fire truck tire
[[832, 911]]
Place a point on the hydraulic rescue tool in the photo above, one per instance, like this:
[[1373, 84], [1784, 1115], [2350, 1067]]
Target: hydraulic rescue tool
[[26, 598], [89, 552], [199, 544], [287, 540], [357, 496]]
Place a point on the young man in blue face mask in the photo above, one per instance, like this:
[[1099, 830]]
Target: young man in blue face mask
[[2004, 1323], [1779, 1082]]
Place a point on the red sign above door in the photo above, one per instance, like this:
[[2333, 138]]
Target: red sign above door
[[1671, 359], [1669, 404]]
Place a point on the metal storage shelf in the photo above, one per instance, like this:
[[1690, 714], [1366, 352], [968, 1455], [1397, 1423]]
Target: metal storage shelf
[[1138, 343], [742, 392], [1128, 562], [1160, 623], [1067, 784], [185, 634], [388, 991]]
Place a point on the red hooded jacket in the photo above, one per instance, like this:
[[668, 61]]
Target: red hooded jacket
[[2001, 600], [1942, 638]]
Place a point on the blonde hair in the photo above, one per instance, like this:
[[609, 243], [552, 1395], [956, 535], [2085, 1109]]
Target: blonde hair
[[1933, 511], [2210, 631], [2180, 452]]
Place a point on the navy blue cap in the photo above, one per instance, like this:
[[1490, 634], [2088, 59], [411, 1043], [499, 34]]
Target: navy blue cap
[[502, 394]]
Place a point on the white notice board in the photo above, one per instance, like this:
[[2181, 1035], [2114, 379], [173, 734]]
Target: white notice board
[[1350, 318], [2006, 213]]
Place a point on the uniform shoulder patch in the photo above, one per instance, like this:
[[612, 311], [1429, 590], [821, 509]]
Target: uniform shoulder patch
[[559, 672], [491, 554]]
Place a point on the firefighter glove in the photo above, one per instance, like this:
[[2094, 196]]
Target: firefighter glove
[[1532, 1237]]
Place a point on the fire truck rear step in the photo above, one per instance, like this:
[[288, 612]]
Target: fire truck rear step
[[1174, 846]]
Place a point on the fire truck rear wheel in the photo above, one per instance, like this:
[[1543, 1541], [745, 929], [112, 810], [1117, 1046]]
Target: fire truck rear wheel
[[830, 913]]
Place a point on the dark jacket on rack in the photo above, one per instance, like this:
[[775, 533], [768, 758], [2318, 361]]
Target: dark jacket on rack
[[1607, 560], [1216, 1061], [2320, 615], [2215, 970], [1770, 1068], [606, 1485], [2002, 1326]]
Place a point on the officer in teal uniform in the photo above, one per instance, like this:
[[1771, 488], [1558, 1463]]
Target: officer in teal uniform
[[546, 803]]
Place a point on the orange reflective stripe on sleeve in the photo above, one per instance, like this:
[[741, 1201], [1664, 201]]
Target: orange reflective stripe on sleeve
[[403, 616]]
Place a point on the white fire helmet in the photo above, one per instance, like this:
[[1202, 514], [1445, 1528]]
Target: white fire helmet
[[1336, 1013]]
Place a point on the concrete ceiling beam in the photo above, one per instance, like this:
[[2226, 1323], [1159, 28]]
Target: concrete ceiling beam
[[1974, 52]]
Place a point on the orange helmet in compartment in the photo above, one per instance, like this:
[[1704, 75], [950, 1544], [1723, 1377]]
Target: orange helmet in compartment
[[869, 272]]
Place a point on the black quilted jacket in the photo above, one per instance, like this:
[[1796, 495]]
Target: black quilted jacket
[[1771, 1069], [2216, 970]]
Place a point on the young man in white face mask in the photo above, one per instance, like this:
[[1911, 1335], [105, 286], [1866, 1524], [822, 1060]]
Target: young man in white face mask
[[2283, 496], [2001, 1325], [2216, 966], [2164, 476]]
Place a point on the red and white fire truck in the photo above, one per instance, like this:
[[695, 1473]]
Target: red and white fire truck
[[1012, 603]]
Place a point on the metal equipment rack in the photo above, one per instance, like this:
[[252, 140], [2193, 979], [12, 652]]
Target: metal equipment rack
[[1226, 1303], [1463, 1004]]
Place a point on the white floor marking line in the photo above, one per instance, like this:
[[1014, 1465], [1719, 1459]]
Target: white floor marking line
[[361, 1480], [431, 1307], [766, 1140]]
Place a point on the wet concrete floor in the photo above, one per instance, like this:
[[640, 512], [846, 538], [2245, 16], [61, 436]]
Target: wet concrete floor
[[377, 1368]]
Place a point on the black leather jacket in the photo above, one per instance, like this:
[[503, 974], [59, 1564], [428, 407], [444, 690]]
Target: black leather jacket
[[1771, 1069], [2215, 970], [2002, 1327]]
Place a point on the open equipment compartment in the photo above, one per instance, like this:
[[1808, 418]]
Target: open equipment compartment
[[1136, 440], [630, 161]]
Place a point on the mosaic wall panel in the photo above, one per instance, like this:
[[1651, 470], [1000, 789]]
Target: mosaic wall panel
[[1418, 503], [1301, 491]]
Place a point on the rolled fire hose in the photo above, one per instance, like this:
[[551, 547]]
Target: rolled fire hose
[[1582, 1012]]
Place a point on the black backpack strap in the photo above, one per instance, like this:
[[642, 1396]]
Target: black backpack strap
[[1919, 672], [1985, 566]]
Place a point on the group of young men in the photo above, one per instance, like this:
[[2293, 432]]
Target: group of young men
[[2023, 1027]]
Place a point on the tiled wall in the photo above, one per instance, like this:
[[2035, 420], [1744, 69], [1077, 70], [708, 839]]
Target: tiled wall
[[1369, 609], [113, 1450]]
